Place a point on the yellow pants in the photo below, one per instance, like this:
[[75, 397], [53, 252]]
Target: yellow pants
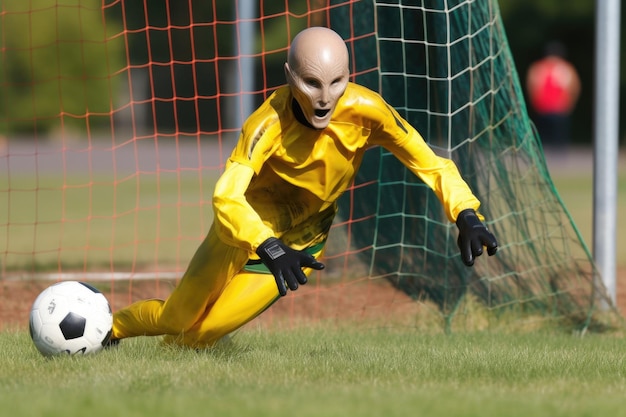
[[214, 297]]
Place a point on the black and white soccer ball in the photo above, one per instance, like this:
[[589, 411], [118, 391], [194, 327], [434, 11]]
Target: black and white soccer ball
[[70, 317]]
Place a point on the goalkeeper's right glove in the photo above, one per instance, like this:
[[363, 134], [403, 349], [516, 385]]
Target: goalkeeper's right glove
[[286, 264]]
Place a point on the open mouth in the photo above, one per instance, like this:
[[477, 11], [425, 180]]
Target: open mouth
[[321, 113]]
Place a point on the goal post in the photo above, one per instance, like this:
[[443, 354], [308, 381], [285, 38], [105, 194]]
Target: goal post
[[108, 160]]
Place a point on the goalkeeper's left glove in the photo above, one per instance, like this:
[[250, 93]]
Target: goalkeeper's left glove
[[473, 235]]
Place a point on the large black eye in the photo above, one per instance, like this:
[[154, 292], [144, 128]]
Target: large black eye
[[312, 82]]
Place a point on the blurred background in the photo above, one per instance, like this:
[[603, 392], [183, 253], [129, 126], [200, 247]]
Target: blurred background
[[530, 26]]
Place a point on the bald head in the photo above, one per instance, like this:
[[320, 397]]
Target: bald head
[[317, 46], [317, 72]]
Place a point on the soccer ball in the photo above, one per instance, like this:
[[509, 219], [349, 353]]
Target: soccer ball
[[70, 317]]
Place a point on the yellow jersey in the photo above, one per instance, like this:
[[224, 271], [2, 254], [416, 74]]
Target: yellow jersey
[[298, 173]]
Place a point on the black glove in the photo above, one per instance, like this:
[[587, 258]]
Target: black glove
[[473, 235], [286, 264]]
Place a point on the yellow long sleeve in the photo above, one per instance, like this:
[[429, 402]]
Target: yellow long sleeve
[[282, 174], [236, 222]]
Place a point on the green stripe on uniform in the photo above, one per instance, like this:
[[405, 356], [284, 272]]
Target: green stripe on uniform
[[258, 267]]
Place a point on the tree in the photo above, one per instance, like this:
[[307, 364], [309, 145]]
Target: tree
[[57, 65]]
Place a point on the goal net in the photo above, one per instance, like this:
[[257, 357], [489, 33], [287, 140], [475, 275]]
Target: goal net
[[117, 118]]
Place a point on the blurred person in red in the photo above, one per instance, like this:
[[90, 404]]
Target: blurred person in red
[[553, 87]]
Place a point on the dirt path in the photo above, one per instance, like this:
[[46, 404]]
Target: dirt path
[[367, 300]]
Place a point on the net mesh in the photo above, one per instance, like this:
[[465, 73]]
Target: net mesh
[[446, 66], [118, 116]]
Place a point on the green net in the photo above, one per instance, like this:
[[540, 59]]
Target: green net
[[447, 68]]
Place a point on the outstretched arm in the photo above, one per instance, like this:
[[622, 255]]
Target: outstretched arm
[[443, 177]]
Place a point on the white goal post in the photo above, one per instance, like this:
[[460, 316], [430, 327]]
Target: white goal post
[[606, 131]]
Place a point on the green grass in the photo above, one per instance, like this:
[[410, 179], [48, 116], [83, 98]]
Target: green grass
[[304, 372], [332, 372], [576, 191], [102, 221], [158, 220]]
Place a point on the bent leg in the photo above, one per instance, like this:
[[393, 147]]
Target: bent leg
[[246, 296], [210, 270]]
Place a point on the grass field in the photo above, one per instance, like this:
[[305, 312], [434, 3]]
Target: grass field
[[572, 175], [576, 191], [307, 371], [316, 372], [162, 219], [101, 221]]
